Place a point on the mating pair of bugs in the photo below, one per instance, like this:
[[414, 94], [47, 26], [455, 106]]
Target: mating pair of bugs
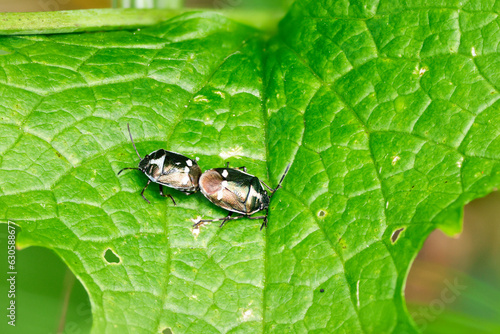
[[232, 189]]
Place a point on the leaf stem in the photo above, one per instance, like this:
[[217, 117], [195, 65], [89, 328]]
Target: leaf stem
[[32, 23]]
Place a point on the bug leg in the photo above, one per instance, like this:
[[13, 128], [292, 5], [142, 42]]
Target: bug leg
[[226, 219], [260, 217], [195, 225], [143, 189], [172, 199], [264, 223], [167, 195]]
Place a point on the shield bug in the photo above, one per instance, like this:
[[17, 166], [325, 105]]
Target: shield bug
[[236, 191], [168, 169]]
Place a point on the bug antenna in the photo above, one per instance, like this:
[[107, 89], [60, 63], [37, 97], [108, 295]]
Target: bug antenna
[[282, 178], [135, 148], [127, 168]]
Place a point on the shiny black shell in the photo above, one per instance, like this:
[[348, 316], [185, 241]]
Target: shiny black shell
[[234, 190], [171, 169]]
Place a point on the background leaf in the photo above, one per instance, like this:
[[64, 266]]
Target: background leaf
[[386, 112]]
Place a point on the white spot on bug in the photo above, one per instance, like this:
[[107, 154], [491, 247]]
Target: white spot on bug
[[185, 179], [473, 52], [158, 162], [177, 163], [233, 152], [395, 160], [459, 162], [247, 315], [189, 162], [220, 193], [224, 173], [357, 293]]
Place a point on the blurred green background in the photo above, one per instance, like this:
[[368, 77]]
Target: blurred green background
[[453, 286], [454, 283], [49, 299]]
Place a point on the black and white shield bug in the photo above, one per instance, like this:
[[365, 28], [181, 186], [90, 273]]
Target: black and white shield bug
[[236, 191], [168, 169]]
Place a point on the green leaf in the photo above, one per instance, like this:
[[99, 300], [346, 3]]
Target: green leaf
[[388, 113]]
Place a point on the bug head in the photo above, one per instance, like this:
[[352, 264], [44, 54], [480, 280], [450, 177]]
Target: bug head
[[145, 163]]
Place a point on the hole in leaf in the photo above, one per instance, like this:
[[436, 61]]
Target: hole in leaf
[[167, 331], [111, 256], [396, 234], [321, 213]]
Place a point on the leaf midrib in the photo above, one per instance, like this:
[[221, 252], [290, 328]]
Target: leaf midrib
[[166, 221]]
